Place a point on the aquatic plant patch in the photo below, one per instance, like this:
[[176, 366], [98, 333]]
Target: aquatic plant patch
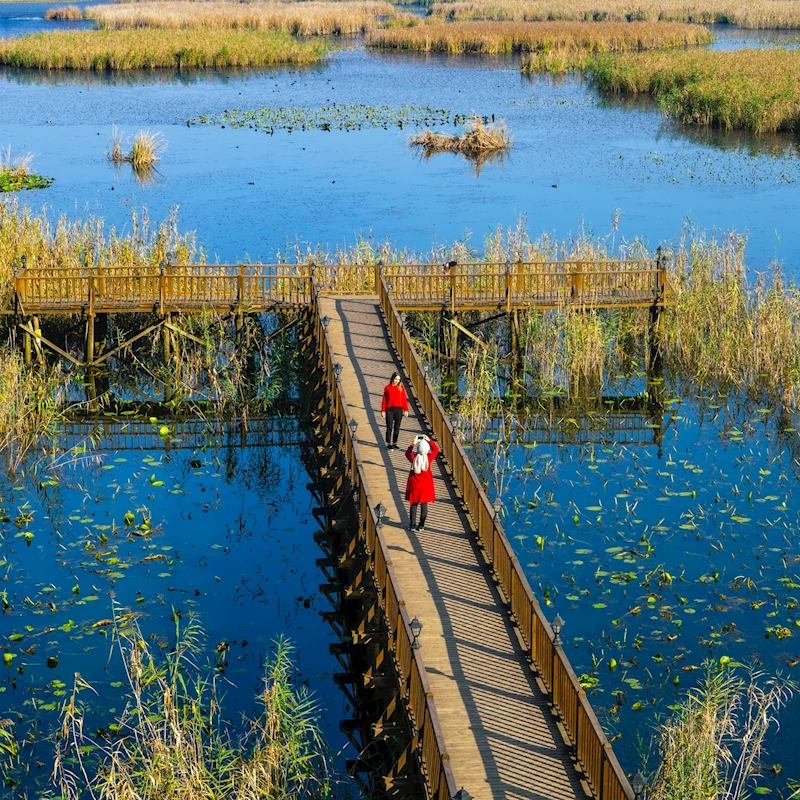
[[333, 117], [305, 19], [475, 143], [584, 38], [13, 182], [757, 90], [64, 13], [761, 14], [111, 50]]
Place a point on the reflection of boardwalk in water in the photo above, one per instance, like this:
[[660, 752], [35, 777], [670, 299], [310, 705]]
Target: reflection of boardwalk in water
[[497, 725]]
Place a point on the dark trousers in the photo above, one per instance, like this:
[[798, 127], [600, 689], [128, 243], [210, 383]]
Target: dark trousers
[[394, 416], [423, 513]]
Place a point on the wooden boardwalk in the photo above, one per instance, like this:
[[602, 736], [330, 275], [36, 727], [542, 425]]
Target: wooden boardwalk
[[500, 734]]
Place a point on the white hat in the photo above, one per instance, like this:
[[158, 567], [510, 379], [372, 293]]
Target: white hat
[[423, 447]]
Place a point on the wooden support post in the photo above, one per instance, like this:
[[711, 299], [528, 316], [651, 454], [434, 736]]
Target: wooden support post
[[36, 342], [88, 355], [240, 298], [26, 344], [166, 338], [577, 283]]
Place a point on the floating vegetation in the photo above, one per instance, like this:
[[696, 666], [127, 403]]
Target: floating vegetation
[[304, 19], [476, 143], [761, 14], [151, 49], [334, 117], [556, 40], [15, 174], [757, 90], [64, 13], [174, 740]]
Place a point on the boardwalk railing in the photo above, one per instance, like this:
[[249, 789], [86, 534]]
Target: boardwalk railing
[[259, 287], [432, 754], [592, 747]]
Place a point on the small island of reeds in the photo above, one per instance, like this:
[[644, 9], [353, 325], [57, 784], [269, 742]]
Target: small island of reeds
[[151, 49], [304, 19], [16, 175], [756, 90], [762, 14], [476, 143], [554, 45], [63, 13]]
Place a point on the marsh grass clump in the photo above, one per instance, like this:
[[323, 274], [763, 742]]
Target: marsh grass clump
[[310, 18], [762, 14], [477, 141], [118, 50], [63, 13], [174, 742], [15, 173], [757, 90], [711, 747], [585, 38], [143, 154]]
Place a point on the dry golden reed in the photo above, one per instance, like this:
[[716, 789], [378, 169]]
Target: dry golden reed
[[531, 37], [753, 14], [151, 49], [758, 90], [304, 19], [64, 13], [476, 141]]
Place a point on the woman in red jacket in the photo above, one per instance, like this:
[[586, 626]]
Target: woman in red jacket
[[420, 489], [393, 407]]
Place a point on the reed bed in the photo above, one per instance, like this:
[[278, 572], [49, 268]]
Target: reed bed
[[174, 741], [757, 14], [112, 50], [15, 173], [145, 149], [304, 19], [757, 90], [547, 37], [64, 13], [476, 142]]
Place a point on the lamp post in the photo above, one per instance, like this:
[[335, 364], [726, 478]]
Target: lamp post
[[498, 507], [638, 784], [353, 425], [557, 625], [380, 511], [402, 320], [389, 286], [461, 794], [337, 370], [416, 630], [325, 322], [318, 287]]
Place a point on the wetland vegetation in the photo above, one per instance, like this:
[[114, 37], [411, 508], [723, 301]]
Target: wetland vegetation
[[755, 90], [64, 13], [16, 175], [134, 49], [478, 141]]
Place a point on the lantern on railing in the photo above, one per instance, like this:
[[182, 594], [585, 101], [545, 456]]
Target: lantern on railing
[[638, 785], [557, 625], [353, 425], [337, 370], [380, 512], [461, 794], [325, 322], [498, 507], [416, 630]]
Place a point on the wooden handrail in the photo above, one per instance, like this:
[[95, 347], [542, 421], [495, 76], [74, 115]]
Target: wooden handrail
[[431, 751], [607, 779]]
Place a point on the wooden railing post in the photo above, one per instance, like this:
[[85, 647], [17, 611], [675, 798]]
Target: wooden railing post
[[240, 296], [508, 287], [577, 282]]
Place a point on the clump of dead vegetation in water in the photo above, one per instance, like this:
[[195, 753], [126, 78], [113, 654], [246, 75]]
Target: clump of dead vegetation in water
[[477, 141], [67, 13]]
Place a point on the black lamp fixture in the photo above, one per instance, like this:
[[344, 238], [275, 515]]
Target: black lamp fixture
[[318, 287], [380, 511], [325, 322], [403, 319], [416, 630], [426, 369], [353, 425], [389, 286], [337, 370], [498, 507], [461, 794], [638, 784], [557, 625]]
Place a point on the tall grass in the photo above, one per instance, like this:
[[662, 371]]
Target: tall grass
[[760, 14], [305, 19], [174, 742], [711, 747], [758, 90], [547, 37], [64, 13], [111, 50], [475, 143], [144, 152]]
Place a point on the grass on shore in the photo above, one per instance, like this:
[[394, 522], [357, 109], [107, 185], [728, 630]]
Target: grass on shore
[[475, 143], [174, 741], [151, 49], [304, 19], [15, 173], [761, 14], [64, 13], [757, 90], [546, 38]]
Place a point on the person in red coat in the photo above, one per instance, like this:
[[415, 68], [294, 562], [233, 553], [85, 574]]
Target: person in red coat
[[420, 489], [393, 407]]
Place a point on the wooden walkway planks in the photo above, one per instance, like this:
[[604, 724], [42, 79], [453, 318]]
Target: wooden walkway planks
[[500, 735]]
